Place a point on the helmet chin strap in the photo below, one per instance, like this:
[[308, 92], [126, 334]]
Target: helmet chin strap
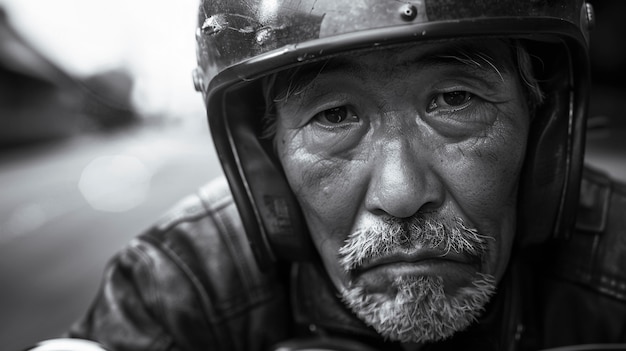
[[271, 214], [550, 179]]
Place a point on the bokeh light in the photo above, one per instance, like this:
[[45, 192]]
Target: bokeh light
[[115, 183]]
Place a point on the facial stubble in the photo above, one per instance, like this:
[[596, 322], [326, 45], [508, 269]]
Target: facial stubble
[[416, 308]]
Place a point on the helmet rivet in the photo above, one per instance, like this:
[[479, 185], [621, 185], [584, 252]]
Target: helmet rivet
[[591, 16], [408, 12]]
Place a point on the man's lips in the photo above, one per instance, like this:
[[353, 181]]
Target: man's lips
[[419, 256]]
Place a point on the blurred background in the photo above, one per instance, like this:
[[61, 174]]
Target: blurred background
[[101, 132]]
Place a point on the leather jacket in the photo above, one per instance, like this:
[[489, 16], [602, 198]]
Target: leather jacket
[[191, 283]]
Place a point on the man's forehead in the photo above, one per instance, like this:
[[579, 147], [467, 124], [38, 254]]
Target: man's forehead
[[433, 52], [479, 54]]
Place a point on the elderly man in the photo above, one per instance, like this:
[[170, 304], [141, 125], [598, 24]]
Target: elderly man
[[403, 175]]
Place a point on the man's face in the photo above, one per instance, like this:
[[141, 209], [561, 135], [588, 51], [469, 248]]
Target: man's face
[[406, 163]]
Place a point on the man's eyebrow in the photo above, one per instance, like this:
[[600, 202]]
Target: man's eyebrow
[[475, 57]]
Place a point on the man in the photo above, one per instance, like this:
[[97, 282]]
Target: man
[[406, 176]]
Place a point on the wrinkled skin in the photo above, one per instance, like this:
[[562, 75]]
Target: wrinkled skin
[[395, 133]]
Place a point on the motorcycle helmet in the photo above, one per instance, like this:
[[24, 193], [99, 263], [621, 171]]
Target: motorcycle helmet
[[239, 42]]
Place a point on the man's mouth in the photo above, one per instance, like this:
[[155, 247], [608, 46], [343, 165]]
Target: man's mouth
[[455, 269], [422, 256]]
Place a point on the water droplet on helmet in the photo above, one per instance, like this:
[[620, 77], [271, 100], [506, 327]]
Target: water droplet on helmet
[[263, 35]]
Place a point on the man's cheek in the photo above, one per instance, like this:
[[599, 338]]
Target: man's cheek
[[331, 197], [325, 189]]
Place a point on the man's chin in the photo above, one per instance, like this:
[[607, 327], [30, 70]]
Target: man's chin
[[418, 308], [453, 275]]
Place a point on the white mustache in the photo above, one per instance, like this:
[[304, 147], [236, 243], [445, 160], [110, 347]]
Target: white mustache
[[394, 236]]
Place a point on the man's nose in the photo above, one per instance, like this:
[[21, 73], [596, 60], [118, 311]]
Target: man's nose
[[403, 181]]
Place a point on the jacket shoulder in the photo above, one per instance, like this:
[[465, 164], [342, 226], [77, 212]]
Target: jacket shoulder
[[595, 255], [204, 237], [583, 299], [190, 281]]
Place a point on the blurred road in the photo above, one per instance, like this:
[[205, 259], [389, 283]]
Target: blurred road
[[58, 224]]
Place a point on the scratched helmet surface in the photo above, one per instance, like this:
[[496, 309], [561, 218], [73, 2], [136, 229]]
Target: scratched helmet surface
[[241, 41]]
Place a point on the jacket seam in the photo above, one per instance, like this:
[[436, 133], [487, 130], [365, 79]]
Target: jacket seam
[[162, 342], [613, 287], [242, 269], [603, 284], [256, 293], [207, 306]]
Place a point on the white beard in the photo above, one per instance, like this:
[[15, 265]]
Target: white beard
[[416, 308], [420, 311]]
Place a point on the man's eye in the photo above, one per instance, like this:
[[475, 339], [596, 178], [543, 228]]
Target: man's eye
[[453, 99], [336, 115]]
